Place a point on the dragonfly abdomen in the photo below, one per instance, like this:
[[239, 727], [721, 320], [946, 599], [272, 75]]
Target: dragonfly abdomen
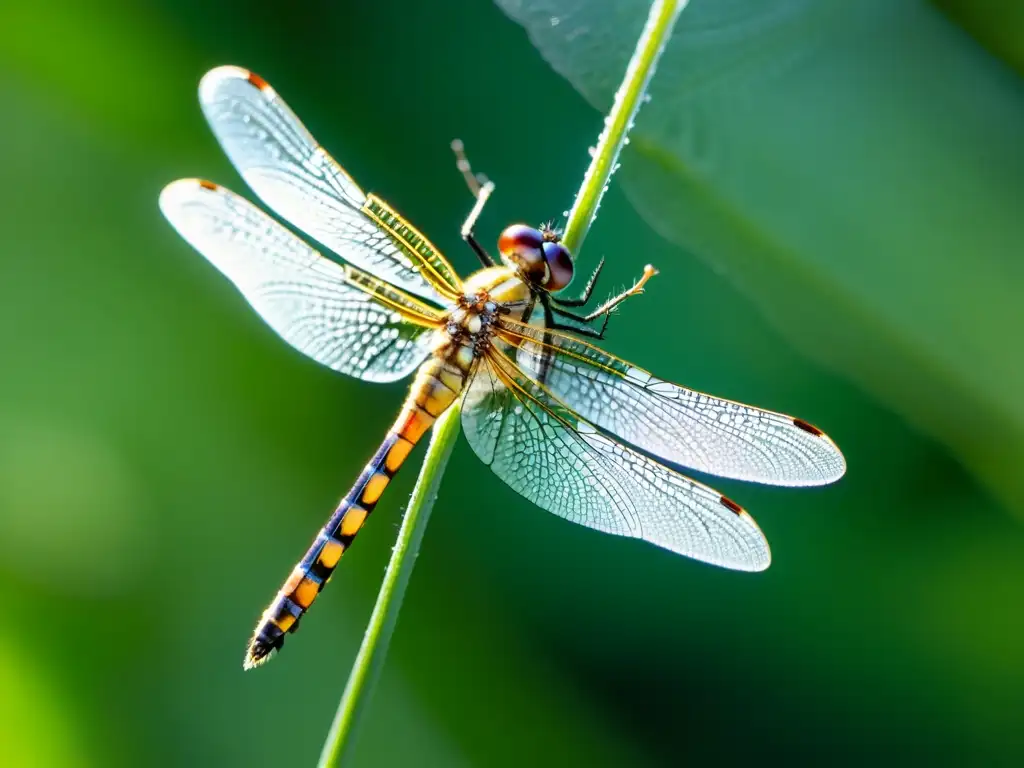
[[437, 384]]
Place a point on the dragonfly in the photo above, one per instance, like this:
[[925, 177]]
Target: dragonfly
[[577, 431]]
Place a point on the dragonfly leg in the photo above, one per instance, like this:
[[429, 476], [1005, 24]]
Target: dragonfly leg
[[581, 330], [475, 181], [579, 324], [604, 310], [635, 290], [481, 188], [588, 289]]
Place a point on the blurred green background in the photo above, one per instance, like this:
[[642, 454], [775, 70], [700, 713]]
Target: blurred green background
[[834, 201]]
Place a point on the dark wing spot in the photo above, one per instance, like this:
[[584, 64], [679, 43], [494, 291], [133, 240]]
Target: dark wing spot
[[730, 504], [207, 184], [257, 81], [808, 427]]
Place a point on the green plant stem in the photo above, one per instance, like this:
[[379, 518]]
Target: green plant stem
[[374, 648], [370, 660], [660, 21]]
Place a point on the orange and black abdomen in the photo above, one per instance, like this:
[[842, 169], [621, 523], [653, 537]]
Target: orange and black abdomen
[[436, 385]]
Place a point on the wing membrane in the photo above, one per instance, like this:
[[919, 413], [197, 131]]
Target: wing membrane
[[564, 465], [676, 424], [340, 317], [291, 173]]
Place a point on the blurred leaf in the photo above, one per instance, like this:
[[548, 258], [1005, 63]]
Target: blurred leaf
[[36, 727], [100, 544], [996, 24], [89, 57], [856, 169]]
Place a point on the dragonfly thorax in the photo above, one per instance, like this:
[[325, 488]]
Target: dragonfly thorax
[[473, 320], [487, 295], [503, 286]]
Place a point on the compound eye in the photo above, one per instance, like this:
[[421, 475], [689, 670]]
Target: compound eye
[[523, 246], [559, 262]]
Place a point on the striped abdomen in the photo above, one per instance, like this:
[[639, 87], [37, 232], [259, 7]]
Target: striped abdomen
[[436, 386]]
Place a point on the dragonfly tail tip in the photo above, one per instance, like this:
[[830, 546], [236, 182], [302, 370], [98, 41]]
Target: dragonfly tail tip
[[259, 653]]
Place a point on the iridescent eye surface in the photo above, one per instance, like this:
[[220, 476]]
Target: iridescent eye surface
[[543, 260], [523, 246], [559, 264]]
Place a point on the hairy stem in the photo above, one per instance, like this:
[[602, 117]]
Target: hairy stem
[[374, 648], [628, 98], [370, 660]]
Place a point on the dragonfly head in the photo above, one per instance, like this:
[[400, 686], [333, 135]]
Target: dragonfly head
[[538, 254]]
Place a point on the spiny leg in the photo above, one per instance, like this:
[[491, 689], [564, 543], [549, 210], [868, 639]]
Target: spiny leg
[[588, 289], [545, 355], [604, 310], [579, 326], [636, 289], [481, 188], [581, 330]]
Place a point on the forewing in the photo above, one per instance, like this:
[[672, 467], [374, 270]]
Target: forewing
[[564, 465], [292, 174], [333, 313], [676, 424]]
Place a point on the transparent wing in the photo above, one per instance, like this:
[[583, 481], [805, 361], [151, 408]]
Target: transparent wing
[[333, 313], [292, 174], [676, 424], [564, 465]]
